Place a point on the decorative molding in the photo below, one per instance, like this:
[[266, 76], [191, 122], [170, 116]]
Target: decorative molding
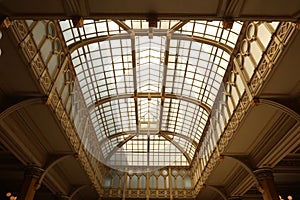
[[261, 73], [153, 193], [25, 40]]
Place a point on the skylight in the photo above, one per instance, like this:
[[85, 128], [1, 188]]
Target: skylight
[[149, 94]]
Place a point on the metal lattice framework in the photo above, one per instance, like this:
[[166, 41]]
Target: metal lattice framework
[[149, 91]]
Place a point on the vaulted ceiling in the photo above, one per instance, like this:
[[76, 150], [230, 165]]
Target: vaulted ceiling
[[32, 135]]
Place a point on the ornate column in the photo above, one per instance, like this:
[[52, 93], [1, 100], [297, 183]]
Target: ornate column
[[148, 186], [170, 183], [30, 183], [125, 185], [266, 181]]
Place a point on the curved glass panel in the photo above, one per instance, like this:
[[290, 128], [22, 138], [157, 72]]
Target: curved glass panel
[[213, 30], [90, 29], [135, 153], [149, 57], [149, 91], [196, 70], [104, 69]]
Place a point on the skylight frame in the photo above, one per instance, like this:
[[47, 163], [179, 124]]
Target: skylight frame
[[104, 86]]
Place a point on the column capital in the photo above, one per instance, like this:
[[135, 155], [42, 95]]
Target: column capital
[[33, 171], [267, 184], [263, 174], [30, 184]]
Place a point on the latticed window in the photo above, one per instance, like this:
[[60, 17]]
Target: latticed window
[[149, 91]]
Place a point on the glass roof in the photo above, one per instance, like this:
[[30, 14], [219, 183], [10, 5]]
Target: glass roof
[[149, 91]]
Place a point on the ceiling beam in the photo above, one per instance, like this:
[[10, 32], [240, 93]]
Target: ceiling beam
[[123, 25], [152, 95], [118, 146], [132, 37], [179, 25], [165, 67], [185, 137], [36, 15], [72, 47], [164, 78], [161, 133]]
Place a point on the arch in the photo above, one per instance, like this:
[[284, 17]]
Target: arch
[[218, 190], [277, 104], [178, 146], [20, 105], [161, 133], [198, 39], [246, 167], [152, 95], [76, 191], [52, 164], [193, 101]]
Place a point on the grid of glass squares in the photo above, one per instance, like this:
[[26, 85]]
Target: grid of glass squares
[[135, 153], [149, 57], [213, 30], [104, 69], [90, 29], [121, 82]]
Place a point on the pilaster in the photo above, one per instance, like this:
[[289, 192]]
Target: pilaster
[[30, 184], [266, 180]]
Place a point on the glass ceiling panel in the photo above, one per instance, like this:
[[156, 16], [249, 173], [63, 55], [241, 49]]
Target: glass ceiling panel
[[149, 113], [195, 70], [90, 29], [114, 117], [213, 30], [184, 118], [135, 153], [149, 97], [149, 57], [104, 69]]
